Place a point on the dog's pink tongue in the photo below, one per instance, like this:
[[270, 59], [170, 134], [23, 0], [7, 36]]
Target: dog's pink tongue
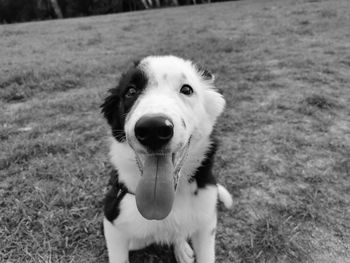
[[155, 192]]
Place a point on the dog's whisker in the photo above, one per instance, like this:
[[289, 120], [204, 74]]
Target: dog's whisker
[[120, 131]]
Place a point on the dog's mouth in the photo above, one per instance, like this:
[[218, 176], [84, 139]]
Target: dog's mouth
[[155, 192]]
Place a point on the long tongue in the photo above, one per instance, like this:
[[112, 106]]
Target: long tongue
[[155, 192]]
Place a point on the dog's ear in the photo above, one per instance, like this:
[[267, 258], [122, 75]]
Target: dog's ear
[[136, 62], [111, 111], [109, 107], [205, 73], [215, 103], [214, 100]]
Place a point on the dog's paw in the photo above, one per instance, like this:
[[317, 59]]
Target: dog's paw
[[183, 252]]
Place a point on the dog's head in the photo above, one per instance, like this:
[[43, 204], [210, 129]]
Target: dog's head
[[161, 106]]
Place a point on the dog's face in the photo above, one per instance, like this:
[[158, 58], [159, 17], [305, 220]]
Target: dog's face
[[176, 89], [161, 106]]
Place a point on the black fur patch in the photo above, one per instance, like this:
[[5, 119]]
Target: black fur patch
[[205, 73], [117, 105], [137, 63], [204, 175], [114, 196]]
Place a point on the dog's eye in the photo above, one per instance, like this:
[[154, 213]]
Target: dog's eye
[[186, 89], [131, 92]]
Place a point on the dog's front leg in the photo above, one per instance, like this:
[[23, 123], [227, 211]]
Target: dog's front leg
[[203, 242], [183, 252], [117, 243]]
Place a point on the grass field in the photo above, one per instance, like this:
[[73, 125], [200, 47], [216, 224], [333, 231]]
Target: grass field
[[284, 67]]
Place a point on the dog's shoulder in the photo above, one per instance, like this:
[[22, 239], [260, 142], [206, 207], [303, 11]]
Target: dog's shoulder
[[115, 194], [204, 173]]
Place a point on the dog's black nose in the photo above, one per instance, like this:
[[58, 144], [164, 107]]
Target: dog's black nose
[[154, 131]]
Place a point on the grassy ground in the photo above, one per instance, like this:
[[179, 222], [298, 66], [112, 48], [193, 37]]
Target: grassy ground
[[285, 155]]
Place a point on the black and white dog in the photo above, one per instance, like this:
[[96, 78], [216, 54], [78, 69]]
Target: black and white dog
[[162, 115]]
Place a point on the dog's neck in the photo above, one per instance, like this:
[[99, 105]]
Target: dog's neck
[[123, 159]]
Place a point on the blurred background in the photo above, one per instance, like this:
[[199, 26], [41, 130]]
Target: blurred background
[[27, 10]]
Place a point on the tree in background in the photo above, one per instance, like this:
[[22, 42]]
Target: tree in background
[[56, 8]]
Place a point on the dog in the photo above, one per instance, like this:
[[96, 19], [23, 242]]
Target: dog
[[162, 115]]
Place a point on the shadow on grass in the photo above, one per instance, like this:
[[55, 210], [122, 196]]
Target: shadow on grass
[[153, 254]]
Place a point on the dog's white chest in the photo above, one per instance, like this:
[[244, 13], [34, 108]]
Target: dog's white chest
[[190, 212]]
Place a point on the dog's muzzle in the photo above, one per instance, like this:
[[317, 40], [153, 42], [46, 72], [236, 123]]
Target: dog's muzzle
[[155, 192]]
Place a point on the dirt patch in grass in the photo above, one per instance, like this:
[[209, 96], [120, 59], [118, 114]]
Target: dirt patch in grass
[[316, 104], [21, 155], [24, 85], [319, 101]]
